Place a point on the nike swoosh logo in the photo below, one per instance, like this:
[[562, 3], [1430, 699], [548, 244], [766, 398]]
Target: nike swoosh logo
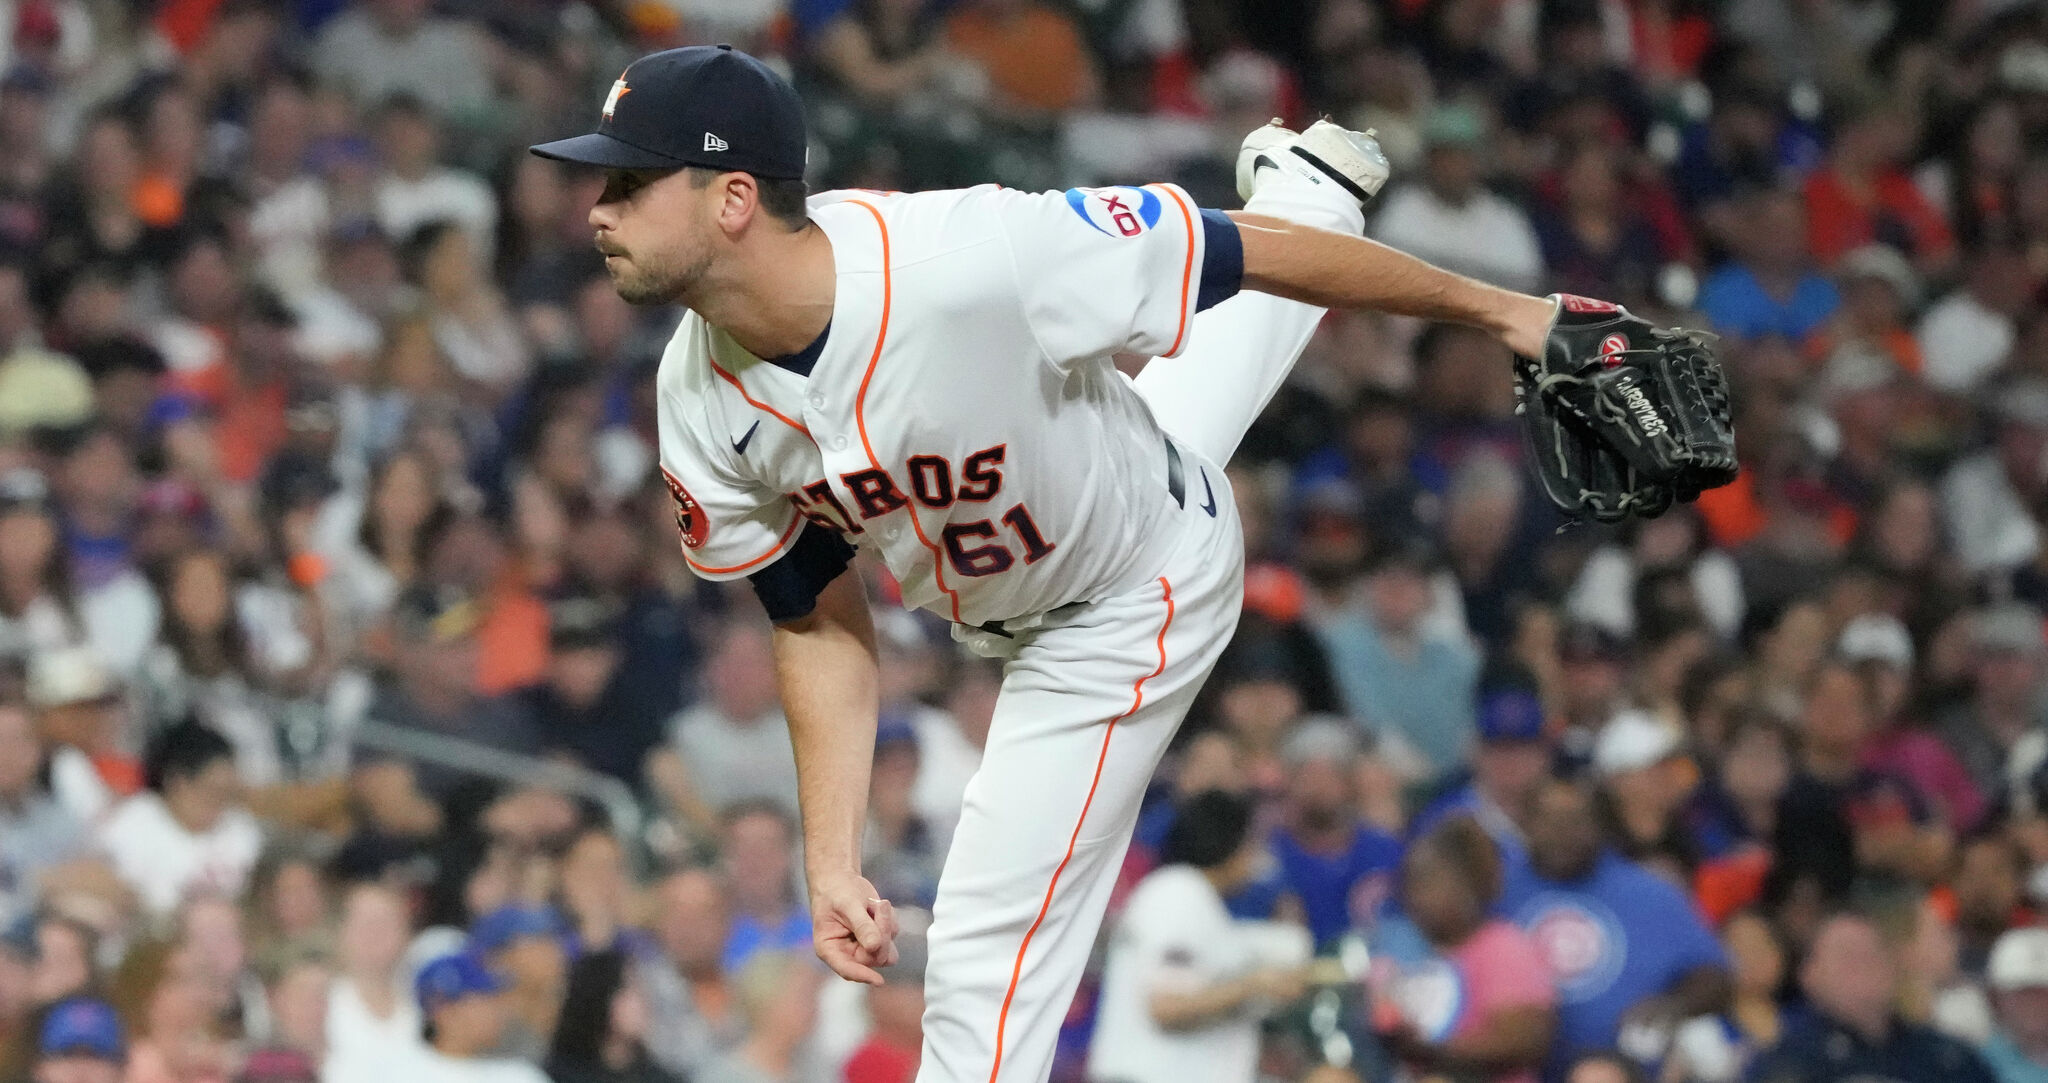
[[1209, 507], [739, 446]]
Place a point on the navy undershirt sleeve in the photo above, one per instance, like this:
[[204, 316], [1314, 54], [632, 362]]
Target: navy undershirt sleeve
[[1222, 260], [789, 588]]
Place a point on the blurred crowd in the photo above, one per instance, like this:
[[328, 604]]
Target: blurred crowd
[[360, 720]]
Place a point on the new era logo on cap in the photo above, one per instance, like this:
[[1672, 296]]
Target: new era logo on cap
[[712, 142]]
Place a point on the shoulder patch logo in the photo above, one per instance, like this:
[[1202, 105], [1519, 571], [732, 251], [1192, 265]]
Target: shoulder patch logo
[[690, 518], [619, 90], [1122, 211]]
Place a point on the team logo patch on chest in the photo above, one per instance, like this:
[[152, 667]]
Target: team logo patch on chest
[[1117, 212], [690, 517]]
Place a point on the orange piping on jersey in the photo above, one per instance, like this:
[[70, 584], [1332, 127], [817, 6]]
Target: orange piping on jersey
[[860, 402], [1187, 269], [1101, 758], [758, 404], [780, 543]]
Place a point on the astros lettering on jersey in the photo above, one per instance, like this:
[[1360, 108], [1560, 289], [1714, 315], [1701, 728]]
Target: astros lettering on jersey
[[950, 418]]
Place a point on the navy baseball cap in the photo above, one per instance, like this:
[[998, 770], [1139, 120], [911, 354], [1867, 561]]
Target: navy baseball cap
[[1510, 714], [451, 978], [703, 105], [81, 1026]]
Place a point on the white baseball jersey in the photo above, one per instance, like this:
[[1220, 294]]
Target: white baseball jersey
[[962, 416]]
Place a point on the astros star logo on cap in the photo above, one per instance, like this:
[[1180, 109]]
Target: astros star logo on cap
[[619, 90]]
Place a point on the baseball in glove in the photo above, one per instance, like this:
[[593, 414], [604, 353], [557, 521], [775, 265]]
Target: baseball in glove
[[1624, 418]]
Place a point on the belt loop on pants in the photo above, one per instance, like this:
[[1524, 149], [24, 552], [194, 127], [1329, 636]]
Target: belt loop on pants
[[1176, 476]]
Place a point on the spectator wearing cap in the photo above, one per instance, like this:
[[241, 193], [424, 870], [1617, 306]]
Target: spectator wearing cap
[[1645, 781], [38, 836], [1593, 670], [188, 833], [1630, 955], [1514, 754], [527, 946], [1871, 344], [80, 1043], [1450, 218], [1994, 732], [1394, 674], [733, 745], [1852, 1030], [1770, 288], [1985, 497], [1498, 1022], [433, 685], [464, 1007], [902, 853], [1375, 453], [580, 708], [1881, 650], [1186, 984], [1336, 864], [2018, 976]]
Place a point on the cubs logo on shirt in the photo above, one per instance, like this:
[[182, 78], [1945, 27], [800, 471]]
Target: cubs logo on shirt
[[1116, 212], [690, 519], [1582, 941]]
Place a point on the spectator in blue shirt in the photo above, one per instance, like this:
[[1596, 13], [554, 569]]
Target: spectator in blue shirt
[[1853, 1031], [1514, 754], [1392, 670], [1626, 947], [1339, 867], [1771, 288]]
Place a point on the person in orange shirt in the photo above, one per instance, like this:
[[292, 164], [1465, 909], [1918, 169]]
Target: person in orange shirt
[[1036, 60], [1864, 195]]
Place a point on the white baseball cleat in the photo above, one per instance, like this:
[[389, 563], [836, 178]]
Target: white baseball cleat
[[1323, 154]]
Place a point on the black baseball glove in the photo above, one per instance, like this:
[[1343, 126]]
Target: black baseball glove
[[1624, 418]]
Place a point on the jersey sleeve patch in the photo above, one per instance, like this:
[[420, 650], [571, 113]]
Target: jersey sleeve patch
[[1120, 211], [690, 518]]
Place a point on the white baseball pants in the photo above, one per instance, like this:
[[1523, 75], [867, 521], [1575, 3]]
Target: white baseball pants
[[1088, 704]]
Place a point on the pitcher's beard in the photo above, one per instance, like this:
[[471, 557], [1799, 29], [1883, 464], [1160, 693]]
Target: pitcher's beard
[[640, 284]]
